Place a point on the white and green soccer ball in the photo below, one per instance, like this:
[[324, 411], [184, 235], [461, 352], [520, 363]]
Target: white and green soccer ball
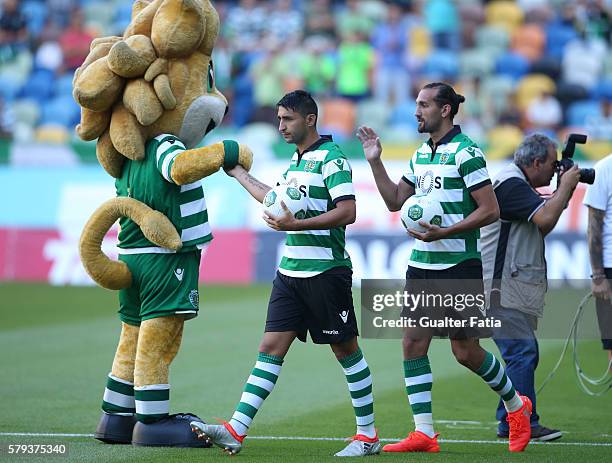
[[421, 208], [291, 196]]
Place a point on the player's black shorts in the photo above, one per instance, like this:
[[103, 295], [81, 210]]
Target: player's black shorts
[[453, 309], [322, 305]]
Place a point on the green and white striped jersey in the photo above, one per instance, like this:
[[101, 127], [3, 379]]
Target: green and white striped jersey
[[149, 181], [323, 174], [456, 168]]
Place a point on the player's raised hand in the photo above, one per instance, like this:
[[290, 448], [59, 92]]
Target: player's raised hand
[[371, 143]]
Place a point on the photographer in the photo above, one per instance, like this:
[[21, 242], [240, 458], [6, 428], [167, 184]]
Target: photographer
[[514, 267], [599, 201]]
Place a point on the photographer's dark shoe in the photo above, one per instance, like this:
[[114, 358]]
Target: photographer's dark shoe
[[544, 434], [538, 433]]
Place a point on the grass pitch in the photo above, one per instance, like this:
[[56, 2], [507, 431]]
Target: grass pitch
[[58, 345]]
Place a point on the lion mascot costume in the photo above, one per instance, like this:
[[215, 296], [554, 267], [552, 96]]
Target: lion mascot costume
[[149, 98]]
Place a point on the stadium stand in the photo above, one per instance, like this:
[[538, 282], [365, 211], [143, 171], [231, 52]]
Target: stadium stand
[[515, 49]]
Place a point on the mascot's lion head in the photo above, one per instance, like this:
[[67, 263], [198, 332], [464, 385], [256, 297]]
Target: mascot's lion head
[[157, 78]]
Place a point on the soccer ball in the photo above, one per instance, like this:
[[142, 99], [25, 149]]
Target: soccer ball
[[421, 208], [291, 196]]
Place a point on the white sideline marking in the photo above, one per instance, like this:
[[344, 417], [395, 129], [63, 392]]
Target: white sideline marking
[[335, 439]]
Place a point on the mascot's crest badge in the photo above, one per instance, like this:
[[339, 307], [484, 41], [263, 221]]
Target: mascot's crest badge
[[444, 158], [194, 298]]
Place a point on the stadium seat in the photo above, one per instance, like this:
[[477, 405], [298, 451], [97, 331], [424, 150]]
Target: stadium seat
[[26, 112], [372, 113], [338, 116], [580, 110], [532, 86], [494, 39], [512, 65], [557, 36], [36, 14], [441, 64], [497, 89], [568, 93], [98, 13], [502, 141], [39, 86], [476, 63], [547, 65], [504, 13], [55, 134], [420, 42], [403, 115], [603, 90], [61, 110], [63, 85]]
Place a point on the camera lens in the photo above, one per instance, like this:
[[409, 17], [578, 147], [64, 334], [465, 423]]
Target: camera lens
[[587, 176]]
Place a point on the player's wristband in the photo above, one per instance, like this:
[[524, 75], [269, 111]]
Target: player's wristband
[[598, 276]]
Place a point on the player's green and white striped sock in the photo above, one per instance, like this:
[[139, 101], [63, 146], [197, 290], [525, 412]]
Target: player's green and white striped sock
[[418, 379], [257, 389], [495, 376], [359, 382], [152, 402], [118, 396]]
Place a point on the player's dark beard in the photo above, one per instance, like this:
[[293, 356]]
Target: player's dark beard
[[430, 127]]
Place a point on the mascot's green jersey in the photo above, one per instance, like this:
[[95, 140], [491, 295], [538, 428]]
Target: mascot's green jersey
[[149, 181]]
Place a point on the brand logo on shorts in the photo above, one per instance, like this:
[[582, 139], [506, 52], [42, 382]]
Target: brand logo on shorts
[[178, 273], [194, 298], [344, 315], [329, 331]]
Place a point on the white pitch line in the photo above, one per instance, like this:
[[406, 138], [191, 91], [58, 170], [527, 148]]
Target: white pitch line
[[335, 439]]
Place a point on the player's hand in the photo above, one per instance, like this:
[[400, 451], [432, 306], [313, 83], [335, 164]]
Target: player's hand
[[284, 222], [570, 178], [370, 142], [235, 171], [433, 232], [601, 289]]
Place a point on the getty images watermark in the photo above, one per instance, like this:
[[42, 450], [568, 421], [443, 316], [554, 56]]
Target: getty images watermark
[[464, 308]]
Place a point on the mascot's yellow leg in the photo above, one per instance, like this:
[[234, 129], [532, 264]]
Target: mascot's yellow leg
[[158, 343], [125, 357]]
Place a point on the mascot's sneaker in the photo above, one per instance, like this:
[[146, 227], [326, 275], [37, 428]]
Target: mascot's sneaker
[[520, 427], [222, 435], [361, 446], [172, 431], [115, 429], [415, 442]]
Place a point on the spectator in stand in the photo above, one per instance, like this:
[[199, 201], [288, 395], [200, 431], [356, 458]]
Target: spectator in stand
[[352, 20], [283, 22], [390, 41], [355, 66], [317, 66], [599, 126], [75, 41], [13, 33], [319, 19], [245, 24], [544, 112], [442, 20]]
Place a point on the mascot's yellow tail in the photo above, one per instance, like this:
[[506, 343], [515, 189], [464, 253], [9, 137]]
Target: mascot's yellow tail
[[155, 226]]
